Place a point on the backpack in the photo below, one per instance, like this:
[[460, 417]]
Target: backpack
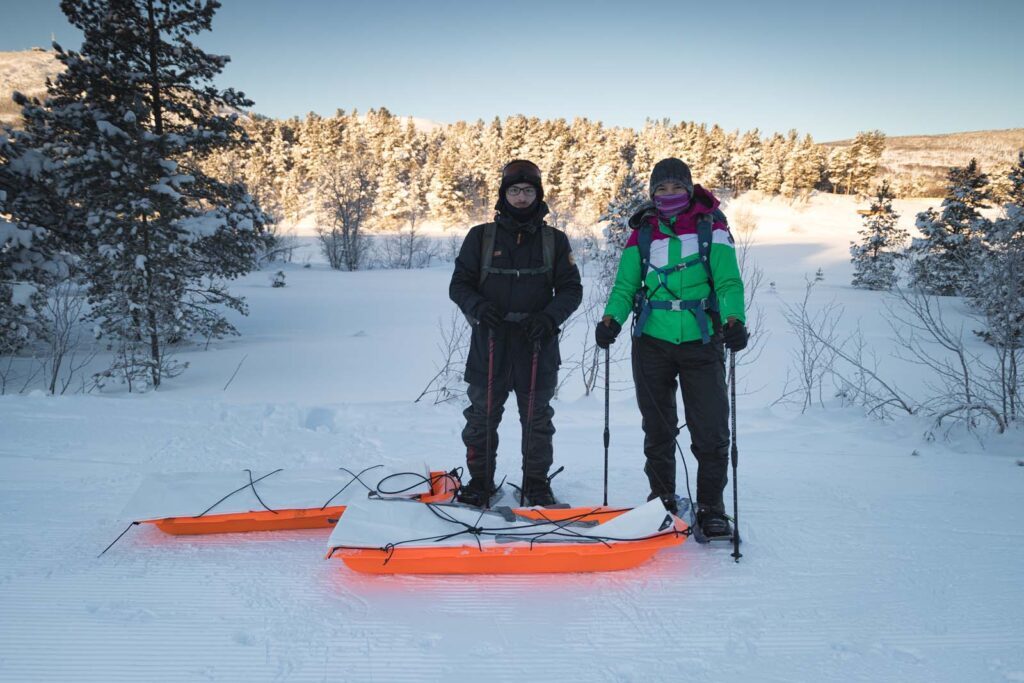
[[702, 309], [487, 255]]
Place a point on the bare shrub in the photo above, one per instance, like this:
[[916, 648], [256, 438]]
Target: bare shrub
[[65, 338], [448, 384], [813, 355]]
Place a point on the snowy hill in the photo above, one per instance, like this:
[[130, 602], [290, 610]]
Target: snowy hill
[[929, 157], [870, 552], [24, 71]]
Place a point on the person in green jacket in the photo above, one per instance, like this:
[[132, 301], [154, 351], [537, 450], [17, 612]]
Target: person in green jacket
[[687, 305]]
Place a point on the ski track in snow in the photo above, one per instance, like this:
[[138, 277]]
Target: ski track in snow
[[838, 574], [862, 561]]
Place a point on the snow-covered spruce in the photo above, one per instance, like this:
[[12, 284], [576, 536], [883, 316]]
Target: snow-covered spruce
[[874, 259], [949, 249], [123, 127], [997, 289]]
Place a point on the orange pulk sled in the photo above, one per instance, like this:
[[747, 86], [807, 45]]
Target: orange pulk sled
[[227, 502], [405, 523], [398, 537]]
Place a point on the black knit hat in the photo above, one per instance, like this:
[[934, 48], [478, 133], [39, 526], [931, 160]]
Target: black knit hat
[[671, 169], [521, 171]]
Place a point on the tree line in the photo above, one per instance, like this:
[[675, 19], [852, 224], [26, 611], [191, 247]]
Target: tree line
[[376, 172]]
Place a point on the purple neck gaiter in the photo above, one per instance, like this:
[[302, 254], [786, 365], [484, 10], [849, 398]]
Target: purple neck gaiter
[[671, 205]]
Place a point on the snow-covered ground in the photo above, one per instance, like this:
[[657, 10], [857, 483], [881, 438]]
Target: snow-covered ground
[[870, 552]]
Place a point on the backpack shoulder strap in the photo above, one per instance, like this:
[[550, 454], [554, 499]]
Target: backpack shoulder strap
[[548, 244], [487, 250], [705, 237], [643, 243]]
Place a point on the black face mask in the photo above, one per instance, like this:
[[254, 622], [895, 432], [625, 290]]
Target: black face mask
[[521, 215]]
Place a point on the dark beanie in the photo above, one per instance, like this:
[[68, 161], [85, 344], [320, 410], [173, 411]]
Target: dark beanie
[[671, 169], [521, 171]]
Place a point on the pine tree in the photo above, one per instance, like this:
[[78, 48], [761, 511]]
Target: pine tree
[[874, 259], [948, 251], [865, 155], [839, 169], [553, 161], [32, 256], [852, 169], [445, 195], [128, 124], [489, 161], [746, 161], [773, 159], [998, 285], [515, 138], [394, 192], [801, 171], [603, 179], [630, 195]]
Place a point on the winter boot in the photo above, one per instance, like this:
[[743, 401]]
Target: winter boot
[[476, 493], [668, 500], [538, 492], [712, 520]]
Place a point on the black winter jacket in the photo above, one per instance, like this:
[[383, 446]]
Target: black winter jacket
[[516, 245]]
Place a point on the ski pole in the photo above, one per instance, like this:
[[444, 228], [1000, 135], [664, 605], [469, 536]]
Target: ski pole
[[607, 434], [490, 398], [529, 419], [736, 554]]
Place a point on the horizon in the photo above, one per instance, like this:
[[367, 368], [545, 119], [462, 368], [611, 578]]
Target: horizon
[[453, 61]]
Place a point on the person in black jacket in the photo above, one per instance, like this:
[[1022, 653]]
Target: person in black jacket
[[515, 297]]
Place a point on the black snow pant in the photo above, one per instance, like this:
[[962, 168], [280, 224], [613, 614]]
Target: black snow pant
[[700, 372], [537, 454]]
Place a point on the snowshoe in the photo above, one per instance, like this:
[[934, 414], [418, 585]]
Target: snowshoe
[[536, 494], [536, 491], [713, 522], [477, 493]]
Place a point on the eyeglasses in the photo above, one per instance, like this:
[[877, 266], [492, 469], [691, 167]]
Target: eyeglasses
[[525, 191]]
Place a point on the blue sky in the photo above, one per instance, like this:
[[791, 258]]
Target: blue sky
[[827, 68]]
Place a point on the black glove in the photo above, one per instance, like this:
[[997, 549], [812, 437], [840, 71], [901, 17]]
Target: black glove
[[538, 326], [735, 336], [489, 315], [606, 332]]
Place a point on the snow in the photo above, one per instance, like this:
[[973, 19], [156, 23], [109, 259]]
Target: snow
[[21, 293], [203, 225], [870, 552], [109, 129], [31, 163], [163, 188], [13, 236]]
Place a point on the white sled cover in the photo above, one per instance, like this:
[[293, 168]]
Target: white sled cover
[[379, 523]]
